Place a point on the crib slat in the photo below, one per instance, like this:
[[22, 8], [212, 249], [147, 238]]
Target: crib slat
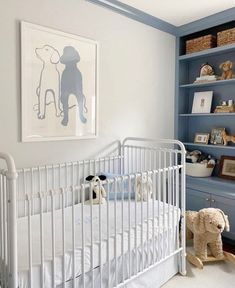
[[63, 237], [129, 223], [30, 243], [168, 209], [136, 229], [73, 239], [53, 238], [115, 229], [164, 210], [92, 235], [177, 206], [147, 224], [83, 241], [159, 256], [142, 224], [122, 223], [5, 231], [108, 233], [42, 239], [1, 228], [100, 238]]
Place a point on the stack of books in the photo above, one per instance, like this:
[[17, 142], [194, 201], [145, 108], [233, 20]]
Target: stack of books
[[206, 78]]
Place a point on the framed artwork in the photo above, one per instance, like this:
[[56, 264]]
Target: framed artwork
[[217, 136], [59, 80], [201, 138], [227, 167], [202, 102]]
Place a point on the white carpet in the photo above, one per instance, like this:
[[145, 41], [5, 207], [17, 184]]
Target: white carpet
[[213, 275]]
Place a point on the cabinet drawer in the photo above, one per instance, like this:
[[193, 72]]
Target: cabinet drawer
[[228, 206], [196, 200]]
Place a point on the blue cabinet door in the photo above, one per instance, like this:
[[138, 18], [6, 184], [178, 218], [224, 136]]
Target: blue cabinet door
[[196, 200], [228, 206]]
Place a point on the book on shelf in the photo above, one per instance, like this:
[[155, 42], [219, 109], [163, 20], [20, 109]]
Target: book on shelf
[[206, 78]]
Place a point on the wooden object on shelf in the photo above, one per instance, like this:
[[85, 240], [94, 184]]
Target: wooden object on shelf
[[200, 43], [225, 109], [228, 138], [199, 263], [226, 37]]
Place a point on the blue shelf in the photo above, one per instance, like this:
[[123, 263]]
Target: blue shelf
[[210, 146], [212, 83], [206, 114], [207, 53]]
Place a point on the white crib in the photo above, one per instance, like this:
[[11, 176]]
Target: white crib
[[50, 238]]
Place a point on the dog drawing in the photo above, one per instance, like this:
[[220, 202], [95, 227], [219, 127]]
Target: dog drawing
[[71, 83], [49, 82]]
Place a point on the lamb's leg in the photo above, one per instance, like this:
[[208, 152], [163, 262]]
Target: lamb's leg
[[200, 247], [216, 249]]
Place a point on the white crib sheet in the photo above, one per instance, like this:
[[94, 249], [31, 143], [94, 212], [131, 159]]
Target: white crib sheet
[[164, 232]]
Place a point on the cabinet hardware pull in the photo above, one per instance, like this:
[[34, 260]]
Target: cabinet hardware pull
[[212, 200], [207, 199]]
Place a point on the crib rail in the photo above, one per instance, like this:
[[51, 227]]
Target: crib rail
[[64, 239]]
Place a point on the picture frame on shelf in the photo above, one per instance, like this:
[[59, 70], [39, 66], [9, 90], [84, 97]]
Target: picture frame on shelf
[[227, 167], [216, 137], [202, 102], [201, 138]]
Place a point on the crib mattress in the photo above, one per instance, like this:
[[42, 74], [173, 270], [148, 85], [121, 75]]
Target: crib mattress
[[133, 225]]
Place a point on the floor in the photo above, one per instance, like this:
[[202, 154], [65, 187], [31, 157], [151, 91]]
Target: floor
[[213, 275]]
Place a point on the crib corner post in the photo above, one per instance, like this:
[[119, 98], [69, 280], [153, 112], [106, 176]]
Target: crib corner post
[[12, 226], [183, 208]]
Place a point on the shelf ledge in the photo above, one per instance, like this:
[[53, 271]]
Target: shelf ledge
[[212, 83], [210, 146], [206, 114], [208, 52]]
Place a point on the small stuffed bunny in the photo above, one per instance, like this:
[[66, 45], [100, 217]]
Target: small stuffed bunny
[[144, 188], [99, 192]]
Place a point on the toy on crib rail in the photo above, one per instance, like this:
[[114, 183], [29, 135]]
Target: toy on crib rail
[[228, 138], [98, 190], [144, 188], [227, 70], [206, 227]]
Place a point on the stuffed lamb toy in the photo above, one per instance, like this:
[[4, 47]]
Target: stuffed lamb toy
[[144, 188], [98, 190]]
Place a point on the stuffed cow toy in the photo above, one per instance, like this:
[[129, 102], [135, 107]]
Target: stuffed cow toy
[[207, 226], [98, 191]]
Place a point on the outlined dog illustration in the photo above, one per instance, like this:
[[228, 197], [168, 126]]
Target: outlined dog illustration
[[71, 83], [49, 82]]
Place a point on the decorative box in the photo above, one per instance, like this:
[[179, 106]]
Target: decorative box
[[200, 43], [226, 37]]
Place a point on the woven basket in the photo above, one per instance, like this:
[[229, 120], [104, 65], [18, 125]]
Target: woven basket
[[200, 43], [226, 37]]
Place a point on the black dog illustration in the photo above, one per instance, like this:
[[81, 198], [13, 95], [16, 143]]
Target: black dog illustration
[[71, 83]]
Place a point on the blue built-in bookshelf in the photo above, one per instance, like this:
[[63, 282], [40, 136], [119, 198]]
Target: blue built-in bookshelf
[[188, 66], [212, 191]]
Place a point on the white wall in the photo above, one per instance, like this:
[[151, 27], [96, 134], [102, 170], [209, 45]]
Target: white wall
[[136, 77]]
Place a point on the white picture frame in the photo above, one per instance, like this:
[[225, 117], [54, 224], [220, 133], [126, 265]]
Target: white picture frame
[[59, 85], [202, 102]]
